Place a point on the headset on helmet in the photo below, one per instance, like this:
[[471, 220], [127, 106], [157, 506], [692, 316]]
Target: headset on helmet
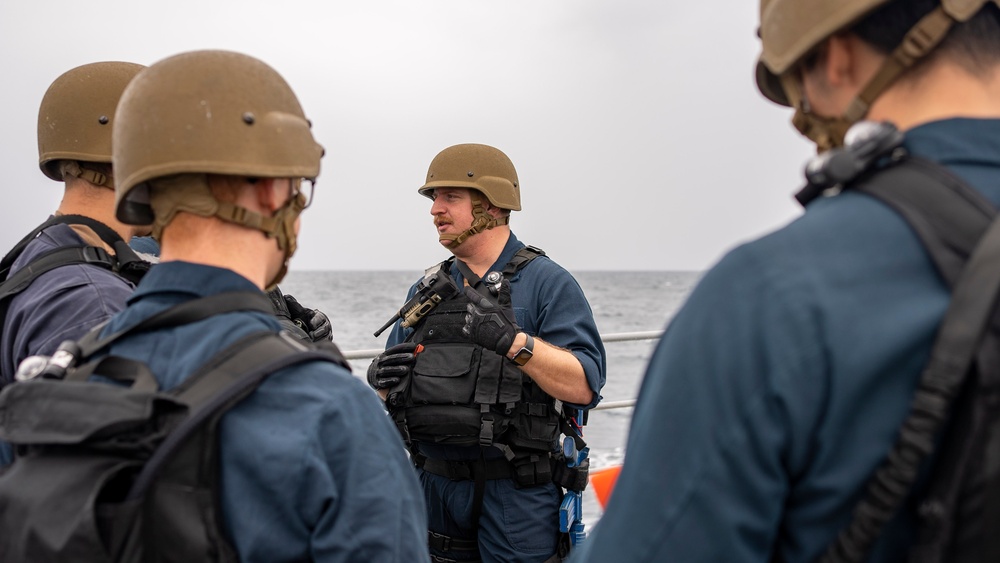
[[76, 117]]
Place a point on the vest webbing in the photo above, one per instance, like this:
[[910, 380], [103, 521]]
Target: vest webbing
[[957, 228], [520, 259]]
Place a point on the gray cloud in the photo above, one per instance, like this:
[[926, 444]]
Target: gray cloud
[[639, 138]]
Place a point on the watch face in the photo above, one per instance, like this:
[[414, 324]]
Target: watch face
[[522, 356]]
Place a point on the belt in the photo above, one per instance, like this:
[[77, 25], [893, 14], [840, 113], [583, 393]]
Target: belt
[[466, 470]]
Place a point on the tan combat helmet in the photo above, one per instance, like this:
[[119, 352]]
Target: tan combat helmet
[[791, 29], [485, 170], [76, 117], [210, 112]]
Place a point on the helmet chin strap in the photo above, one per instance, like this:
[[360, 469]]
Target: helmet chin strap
[[481, 221], [73, 169], [191, 193], [284, 232], [829, 132]]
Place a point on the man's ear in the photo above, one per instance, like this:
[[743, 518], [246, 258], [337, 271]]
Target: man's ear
[[269, 195], [847, 61], [493, 210]]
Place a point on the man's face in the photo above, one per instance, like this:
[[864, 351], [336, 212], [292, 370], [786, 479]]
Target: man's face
[[452, 211]]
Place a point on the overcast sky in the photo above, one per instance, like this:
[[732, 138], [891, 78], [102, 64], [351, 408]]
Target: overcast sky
[[638, 135]]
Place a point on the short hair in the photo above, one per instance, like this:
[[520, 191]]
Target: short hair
[[974, 45]]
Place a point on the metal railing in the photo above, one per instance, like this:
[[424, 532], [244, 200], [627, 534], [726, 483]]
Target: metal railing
[[607, 338]]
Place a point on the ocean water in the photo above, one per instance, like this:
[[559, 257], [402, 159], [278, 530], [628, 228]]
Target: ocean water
[[358, 303]]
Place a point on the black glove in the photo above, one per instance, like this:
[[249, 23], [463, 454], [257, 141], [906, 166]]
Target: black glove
[[488, 324], [313, 321], [393, 365]]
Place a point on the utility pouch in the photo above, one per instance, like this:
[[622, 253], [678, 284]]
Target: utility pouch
[[570, 478], [442, 375], [532, 470], [535, 427], [444, 424]]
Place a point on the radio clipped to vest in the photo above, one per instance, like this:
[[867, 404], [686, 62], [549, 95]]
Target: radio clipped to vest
[[432, 290]]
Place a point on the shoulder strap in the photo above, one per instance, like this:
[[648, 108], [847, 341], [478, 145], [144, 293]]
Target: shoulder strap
[[46, 262], [107, 234], [468, 274], [185, 313], [221, 383], [125, 263], [52, 260], [521, 259], [950, 218]]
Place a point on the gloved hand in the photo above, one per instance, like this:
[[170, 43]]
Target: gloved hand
[[491, 325], [313, 321], [393, 365]]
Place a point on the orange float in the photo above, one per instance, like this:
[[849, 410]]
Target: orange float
[[602, 482]]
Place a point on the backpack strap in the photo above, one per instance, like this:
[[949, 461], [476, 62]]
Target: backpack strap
[[948, 216], [222, 382], [184, 313], [126, 263], [51, 260], [107, 234], [957, 228]]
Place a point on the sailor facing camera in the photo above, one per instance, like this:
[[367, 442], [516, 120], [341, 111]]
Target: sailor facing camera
[[495, 355]]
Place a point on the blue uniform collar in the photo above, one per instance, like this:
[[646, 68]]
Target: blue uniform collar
[[506, 255], [190, 281], [959, 140]]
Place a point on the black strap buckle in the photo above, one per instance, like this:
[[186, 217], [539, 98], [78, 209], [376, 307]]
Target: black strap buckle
[[97, 255]]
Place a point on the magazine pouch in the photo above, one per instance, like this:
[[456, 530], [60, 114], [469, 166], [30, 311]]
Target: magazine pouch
[[535, 421]]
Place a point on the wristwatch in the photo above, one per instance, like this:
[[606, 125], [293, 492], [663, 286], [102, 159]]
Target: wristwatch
[[524, 354]]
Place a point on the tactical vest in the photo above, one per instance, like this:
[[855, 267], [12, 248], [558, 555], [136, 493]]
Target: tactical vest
[[461, 394]]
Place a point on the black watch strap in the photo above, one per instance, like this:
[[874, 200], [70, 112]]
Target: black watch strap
[[524, 354]]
